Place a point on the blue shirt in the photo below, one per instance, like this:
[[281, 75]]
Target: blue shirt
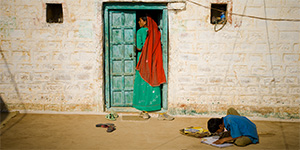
[[241, 126]]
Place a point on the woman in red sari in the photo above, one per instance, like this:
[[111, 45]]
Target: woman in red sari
[[150, 73]]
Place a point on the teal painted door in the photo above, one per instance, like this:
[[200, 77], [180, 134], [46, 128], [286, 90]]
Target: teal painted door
[[119, 36], [122, 29]]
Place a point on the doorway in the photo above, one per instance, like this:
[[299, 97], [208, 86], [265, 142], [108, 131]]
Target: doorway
[[120, 26]]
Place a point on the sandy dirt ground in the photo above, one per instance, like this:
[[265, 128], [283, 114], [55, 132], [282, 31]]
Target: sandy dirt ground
[[56, 131]]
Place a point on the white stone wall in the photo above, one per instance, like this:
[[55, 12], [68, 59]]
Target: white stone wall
[[237, 66], [246, 65], [55, 67]]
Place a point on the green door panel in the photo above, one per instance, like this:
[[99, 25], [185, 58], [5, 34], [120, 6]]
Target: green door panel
[[122, 27]]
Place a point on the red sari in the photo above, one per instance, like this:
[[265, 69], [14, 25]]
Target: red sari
[[150, 65]]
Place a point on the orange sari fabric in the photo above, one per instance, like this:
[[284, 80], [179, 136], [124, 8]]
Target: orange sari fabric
[[150, 65]]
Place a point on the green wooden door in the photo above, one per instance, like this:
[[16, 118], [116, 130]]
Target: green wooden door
[[122, 28], [119, 34]]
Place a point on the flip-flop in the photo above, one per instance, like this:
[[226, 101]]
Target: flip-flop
[[114, 113], [110, 117], [110, 126], [110, 129], [104, 125]]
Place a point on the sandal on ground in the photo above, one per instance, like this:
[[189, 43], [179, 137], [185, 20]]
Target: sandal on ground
[[114, 113], [144, 115], [111, 129], [165, 116], [104, 125], [110, 117], [110, 126]]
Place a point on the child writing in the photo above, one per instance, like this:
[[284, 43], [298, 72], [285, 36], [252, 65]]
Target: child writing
[[240, 129]]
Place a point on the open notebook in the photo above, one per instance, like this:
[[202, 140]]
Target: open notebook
[[211, 139]]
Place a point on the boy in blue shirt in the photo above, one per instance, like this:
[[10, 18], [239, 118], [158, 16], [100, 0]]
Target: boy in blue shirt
[[240, 129]]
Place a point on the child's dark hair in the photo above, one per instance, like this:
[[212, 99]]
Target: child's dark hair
[[213, 124]]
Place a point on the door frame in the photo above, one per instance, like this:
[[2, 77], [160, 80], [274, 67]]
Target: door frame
[[164, 41]]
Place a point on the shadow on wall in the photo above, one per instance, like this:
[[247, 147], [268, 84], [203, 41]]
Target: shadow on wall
[[5, 114], [3, 109]]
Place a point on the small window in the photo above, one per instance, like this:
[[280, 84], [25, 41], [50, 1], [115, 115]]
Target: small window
[[217, 13], [54, 13]]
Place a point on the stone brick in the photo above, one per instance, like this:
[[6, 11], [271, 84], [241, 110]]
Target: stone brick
[[259, 70], [216, 80], [187, 36], [278, 70], [17, 34], [209, 57], [255, 37], [234, 57], [294, 90], [189, 57], [246, 81], [5, 45], [42, 56], [274, 59], [289, 12], [280, 89], [291, 57], [21, 56], [62, 76], [49, 46], [74, 34], [6, 77], [231, 81], [249, 100], [202, 70], [291, 80], [83, 76], [257, 58], [200, 80], [69, 45], [289, 36], [187, 48], [41, 76], [53, 87], [284, 47], [292, 70], [23, 77], [62, 57], [82, 56], [72, 87], [240, 69], [6, 87]]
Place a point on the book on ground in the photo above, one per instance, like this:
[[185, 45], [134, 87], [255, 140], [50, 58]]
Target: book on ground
[[210, 140]]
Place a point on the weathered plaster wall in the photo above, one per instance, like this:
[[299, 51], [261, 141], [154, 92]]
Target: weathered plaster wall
[[237, 66], [59, 67], [55, 67]]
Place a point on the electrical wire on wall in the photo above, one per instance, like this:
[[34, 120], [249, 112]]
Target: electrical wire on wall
[[222, 20], [273, 80], [243, 15]]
